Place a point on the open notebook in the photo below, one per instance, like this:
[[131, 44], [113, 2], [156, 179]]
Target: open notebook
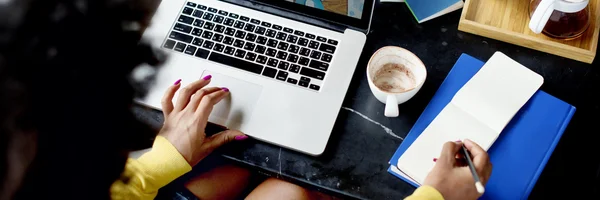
[[479, 111]]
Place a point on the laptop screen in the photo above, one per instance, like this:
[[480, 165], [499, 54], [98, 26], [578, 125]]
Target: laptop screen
[[351, 8]]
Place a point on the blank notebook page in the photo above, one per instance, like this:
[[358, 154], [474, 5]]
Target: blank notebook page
[[479, 111]]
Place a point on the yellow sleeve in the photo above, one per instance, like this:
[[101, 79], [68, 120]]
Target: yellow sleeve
[[425, 192], [142, 178]]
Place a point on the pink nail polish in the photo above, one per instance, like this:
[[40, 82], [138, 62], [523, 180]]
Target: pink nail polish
[[177, 82], [458, 141], [240, 137], [225, 89], [434, 159], [207, 77]]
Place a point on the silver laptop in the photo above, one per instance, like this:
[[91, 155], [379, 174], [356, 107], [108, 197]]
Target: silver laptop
[[287, 77]]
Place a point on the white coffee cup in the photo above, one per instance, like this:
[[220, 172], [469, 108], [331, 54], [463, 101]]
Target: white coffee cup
[[395, 75]]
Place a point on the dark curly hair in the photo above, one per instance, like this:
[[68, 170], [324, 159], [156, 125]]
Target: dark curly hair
[[66, 124]]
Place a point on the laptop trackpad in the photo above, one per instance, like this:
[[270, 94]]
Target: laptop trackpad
[[238, 106]]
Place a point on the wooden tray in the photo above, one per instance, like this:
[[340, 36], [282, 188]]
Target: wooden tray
[[508, 21]]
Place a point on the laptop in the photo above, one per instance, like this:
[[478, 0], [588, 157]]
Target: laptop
[[287, 76]]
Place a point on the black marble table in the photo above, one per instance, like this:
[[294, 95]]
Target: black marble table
[[355, 162]]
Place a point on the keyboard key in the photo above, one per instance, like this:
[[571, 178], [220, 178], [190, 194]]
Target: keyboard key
[[237, 63], [219, 19], [326, 57], [310, 36], [229, 50], [181, 37], [238, 43], [312, 73], [294, 48], [261, 59], [197, 32], [250, 56], [250, 37], [260, 30], [260, 49], [327, 48], [304, 61], [180, 47], [197, 41], [292, 81], [169, 44], [277, 27], [198, 13], [255, 21], [305, 52], [315, 55], [201, 7], [271, 52], [188, 10], [288, 30], [208, 16], [240, 53], [233, 15], [208, 44], [332, 42], [299, 33], [198, 23], [219, 47], [318, 65], [292, 39], [249, 46], [249, 27], [229, 22], [240, 34], [218, 37], [183, 28], [244, 18], [295, 68], [228, 40], [303, 84], [283, 65], [272, 62], [314, 87], [222, 12], [313, 45], [190, 50], [302, 42], [209, 25], [304, 79], [261, 40], [321, 39], [185, 19], [207, 35], [229, 31], [239, 24], [271, 33], [282, 75], [219, 28], [191, 4], [269, 72], [212, 10], [293, 58], [283, 46], [281, 36], [272, 43], [266, 24], [282, 55]]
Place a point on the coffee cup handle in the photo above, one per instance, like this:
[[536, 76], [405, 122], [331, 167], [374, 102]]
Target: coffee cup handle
[[541, 15], [391, 106]]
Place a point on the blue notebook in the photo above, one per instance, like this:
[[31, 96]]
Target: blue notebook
[[522, 150], [425, 10]]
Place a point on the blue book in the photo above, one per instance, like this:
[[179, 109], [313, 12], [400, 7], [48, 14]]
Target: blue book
[[522, 150], [424, 10]]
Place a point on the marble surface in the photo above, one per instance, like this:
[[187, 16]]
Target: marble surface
[[356, 159]]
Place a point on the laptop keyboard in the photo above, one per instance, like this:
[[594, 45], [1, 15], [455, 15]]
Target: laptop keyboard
[[253, 45]]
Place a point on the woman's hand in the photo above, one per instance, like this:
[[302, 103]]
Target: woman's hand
[[186, 121], [453, 179]]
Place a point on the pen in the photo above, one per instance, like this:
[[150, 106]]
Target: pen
[[478, 184]]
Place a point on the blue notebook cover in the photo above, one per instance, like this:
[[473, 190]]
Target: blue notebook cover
[[522, 150], [422, 9]]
